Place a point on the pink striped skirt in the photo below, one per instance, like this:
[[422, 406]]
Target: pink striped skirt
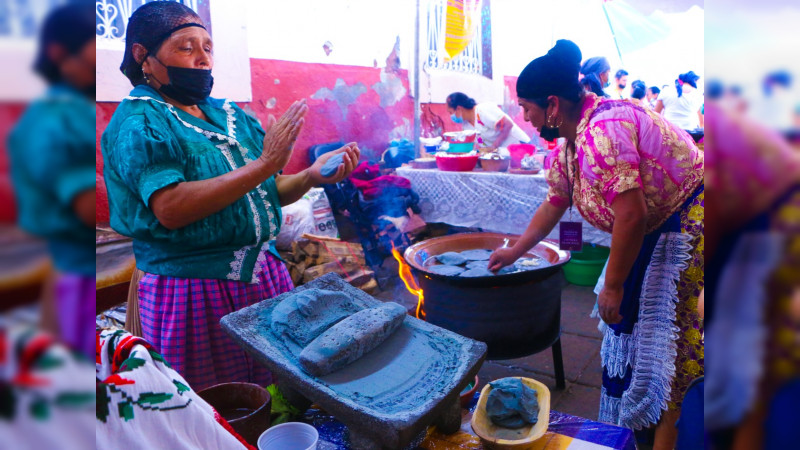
[[180, 318]]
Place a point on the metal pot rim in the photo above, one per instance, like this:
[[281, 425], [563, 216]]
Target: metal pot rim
[[557, 259]]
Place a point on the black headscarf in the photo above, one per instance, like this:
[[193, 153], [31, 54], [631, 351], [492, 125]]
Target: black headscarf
[[555, 73], [71, 26], [150, 25]]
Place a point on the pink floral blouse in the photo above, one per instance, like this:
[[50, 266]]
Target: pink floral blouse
[[621, 146]]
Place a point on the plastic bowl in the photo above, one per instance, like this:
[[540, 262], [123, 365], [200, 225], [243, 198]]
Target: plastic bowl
[[518, 151], [456, 163], [585, 267], [289, 436], [461, 148], [468, 393], [455, 137]]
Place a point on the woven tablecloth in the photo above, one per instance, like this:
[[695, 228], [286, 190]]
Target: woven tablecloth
[[493, 201], [564, 432]]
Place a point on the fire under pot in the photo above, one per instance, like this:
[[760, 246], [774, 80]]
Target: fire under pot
[[516, 314]]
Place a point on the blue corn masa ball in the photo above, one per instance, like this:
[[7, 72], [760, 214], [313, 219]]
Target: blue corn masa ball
[[512, 404], [332, 165]]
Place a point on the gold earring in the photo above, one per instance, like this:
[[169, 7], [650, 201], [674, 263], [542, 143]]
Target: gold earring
[[551, 122]]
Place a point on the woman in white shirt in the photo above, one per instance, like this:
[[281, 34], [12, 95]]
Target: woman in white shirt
[[495, 127], [682, 105]]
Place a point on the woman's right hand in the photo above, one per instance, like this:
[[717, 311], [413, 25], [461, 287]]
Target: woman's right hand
[[502, 257], [281, 135]]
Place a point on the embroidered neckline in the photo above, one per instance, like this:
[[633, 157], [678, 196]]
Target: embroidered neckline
[[229, 140]]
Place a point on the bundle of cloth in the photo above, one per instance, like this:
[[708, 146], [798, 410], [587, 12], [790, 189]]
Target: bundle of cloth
[[143, 403], [46, 397], [380, 209]]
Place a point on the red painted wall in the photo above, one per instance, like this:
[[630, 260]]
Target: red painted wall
[[349, 111], [345, 104], [104, 113]]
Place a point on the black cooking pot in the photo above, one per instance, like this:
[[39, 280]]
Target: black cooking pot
[[516, 315]]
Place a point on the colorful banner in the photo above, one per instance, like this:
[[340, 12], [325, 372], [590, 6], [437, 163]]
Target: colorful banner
[[462, 19]]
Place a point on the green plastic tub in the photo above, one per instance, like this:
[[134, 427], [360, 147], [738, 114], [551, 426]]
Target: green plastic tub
[[585, 266]]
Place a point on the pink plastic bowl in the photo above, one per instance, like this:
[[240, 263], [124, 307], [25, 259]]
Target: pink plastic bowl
[[457, 163]]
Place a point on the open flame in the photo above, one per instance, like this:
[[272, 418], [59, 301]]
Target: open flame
[[404, 270]]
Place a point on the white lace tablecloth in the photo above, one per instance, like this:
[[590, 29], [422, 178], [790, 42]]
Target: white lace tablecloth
[[493, 201]]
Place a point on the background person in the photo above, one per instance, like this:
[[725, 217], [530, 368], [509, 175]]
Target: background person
[[638, 92], [617, 91], [495, 127], [652, 96], [594, 75], [682, 103], [52, 155]]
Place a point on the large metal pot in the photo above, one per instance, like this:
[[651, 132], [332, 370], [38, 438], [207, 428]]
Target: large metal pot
[[516, 315]]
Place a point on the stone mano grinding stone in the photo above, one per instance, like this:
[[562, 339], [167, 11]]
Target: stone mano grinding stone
[[388, 396], [308, 314], [351, 338], [330, 166]]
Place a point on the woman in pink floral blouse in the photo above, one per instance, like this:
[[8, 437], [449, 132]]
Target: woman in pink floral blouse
[[631, 173]]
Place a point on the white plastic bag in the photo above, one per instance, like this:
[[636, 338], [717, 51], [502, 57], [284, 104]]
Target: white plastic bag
[[324, 222], [298, 219], [311, 214]]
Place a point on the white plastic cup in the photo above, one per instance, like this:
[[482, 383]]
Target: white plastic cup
[[289, 436]]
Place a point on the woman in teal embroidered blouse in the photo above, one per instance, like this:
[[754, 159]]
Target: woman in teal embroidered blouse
[[196, 182]]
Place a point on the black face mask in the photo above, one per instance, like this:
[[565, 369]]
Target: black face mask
[[622, 86], [549, 133], [188, 86]]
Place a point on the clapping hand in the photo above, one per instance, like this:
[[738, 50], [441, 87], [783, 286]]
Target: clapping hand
[[281, 135]]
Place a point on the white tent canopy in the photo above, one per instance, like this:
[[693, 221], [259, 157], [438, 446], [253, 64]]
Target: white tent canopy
[[671, 39]]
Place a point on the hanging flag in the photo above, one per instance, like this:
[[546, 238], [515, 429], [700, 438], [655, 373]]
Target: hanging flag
[[461, 21]]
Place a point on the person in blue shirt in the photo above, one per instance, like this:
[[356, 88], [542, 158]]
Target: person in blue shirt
[[52, 154]]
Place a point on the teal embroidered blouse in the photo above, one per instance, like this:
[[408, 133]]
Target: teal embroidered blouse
[[52, 154], [148, 145]]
